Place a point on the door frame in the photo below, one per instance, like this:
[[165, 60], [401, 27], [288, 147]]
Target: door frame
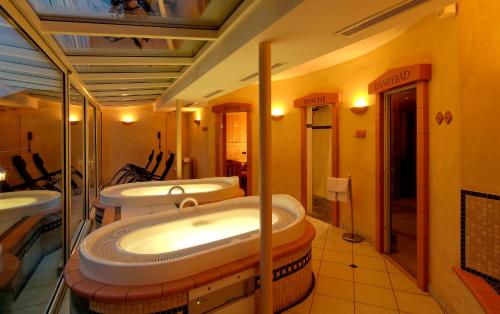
[[418, 75], [310, 100], [220, 137]]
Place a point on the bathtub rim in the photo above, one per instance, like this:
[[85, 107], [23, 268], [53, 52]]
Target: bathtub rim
[[110, 196], [290, 233], [94, 290]]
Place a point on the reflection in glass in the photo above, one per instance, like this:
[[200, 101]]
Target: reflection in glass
[[200, 13], [123, 46], [31, 153], [77, 158], [92, 154]]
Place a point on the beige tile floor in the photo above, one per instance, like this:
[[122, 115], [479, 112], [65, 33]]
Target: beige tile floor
[[375, 286]]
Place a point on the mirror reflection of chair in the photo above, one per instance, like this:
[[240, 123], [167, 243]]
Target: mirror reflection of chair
[[30, 183]]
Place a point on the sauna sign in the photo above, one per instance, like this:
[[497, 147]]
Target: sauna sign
[[391, 81], [231, 107]]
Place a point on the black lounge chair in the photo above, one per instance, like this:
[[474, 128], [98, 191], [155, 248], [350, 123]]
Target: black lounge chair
[[129, 170], [54, 176]]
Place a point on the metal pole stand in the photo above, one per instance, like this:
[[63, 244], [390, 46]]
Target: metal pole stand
[[351, 237]]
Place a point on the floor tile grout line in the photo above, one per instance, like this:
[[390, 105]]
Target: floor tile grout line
[[392, 287]]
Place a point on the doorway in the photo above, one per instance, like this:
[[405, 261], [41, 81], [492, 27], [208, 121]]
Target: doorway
[[400, 145], [319, 161], [233, 143]]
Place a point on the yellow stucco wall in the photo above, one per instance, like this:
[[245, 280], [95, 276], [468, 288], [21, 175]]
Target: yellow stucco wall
[[431, 41], [132, 143], [480, 73]]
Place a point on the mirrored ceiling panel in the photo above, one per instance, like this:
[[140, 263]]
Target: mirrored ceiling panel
[[128, 69], [25, 73], [124, 46], [208, 14]]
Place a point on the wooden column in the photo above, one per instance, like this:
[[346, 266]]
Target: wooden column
[[266, 231], [178, 141]]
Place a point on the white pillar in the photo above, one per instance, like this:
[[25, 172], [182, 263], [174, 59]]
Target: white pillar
[[178, 141], [266, 227]]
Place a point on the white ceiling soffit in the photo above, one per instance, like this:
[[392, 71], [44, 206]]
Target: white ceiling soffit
[[306, 39]]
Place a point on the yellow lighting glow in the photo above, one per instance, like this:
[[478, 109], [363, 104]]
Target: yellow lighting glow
[[16, 202], [73, 118], [128, 119], [277, 113], [3, 174], [360, 105], [163, 190], [197, 117], [360, 102], [186, 233]]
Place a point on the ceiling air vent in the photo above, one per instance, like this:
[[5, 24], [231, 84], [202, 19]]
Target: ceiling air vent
[[380, 17], [213, 93], [253, 75]]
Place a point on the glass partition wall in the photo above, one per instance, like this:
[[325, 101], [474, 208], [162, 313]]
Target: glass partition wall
[[50, 152]]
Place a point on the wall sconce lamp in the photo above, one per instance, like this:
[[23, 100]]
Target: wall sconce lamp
[[277, 114], [197, 118], [197, 121], [3, 174], [360, 106], [73, 120], [128, 120]]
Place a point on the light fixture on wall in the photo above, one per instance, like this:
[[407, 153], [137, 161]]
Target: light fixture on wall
[[73, 119], [277, 113], [360, 106], [128, 119], [197, 118], [3, 174]]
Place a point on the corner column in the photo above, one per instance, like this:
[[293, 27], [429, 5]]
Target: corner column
[[266, 228], [178, 140]]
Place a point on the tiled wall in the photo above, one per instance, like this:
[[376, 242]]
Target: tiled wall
[[480, 235]]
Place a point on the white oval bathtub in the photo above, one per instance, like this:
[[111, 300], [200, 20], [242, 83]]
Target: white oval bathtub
[[27, 203], [171, 245], [170, 192], [16, 205]]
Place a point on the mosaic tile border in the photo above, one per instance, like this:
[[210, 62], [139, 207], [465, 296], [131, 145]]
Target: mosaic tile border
[[494, 282], [288, 269], [35, 235]]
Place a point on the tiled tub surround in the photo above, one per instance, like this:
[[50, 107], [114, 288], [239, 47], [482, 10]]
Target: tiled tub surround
[[480, 236], [480, 247], [166, 246], [292, 283], [25, 245]]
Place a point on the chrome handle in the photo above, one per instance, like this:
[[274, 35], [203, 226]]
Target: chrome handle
[[176, 187]]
